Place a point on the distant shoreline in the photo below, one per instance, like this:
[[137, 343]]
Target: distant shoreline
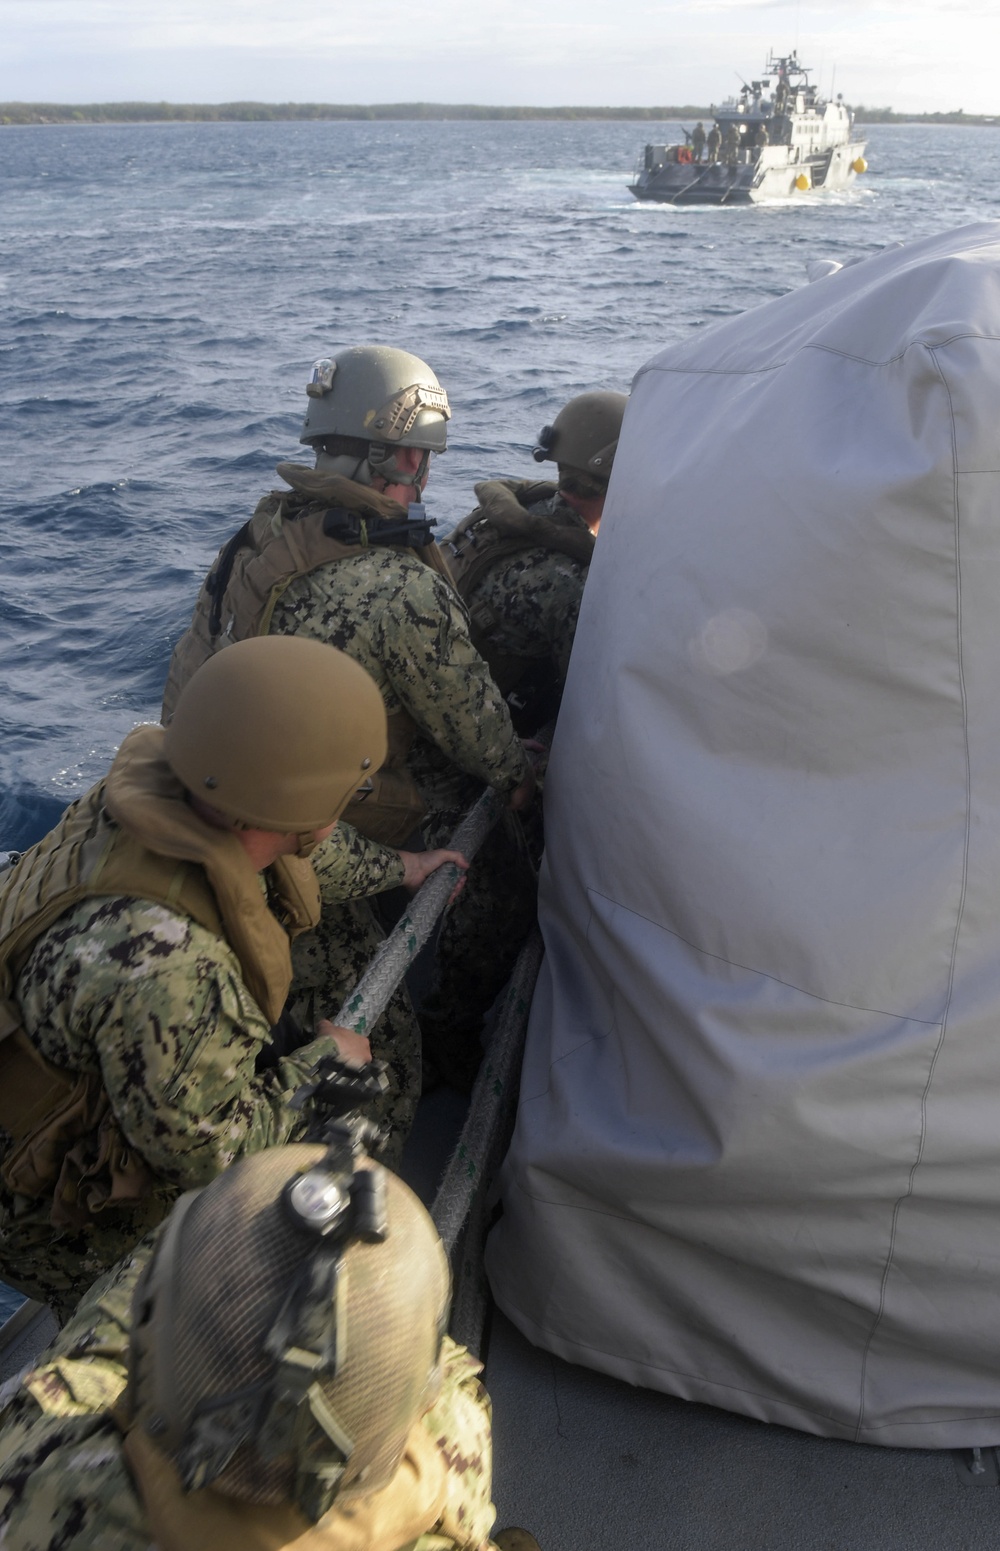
[[405, 112]]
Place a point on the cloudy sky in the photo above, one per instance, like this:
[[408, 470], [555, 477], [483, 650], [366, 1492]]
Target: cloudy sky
[[917, 55]]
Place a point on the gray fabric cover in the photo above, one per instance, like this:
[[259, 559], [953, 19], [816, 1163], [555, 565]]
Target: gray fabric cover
[[757, 1158]]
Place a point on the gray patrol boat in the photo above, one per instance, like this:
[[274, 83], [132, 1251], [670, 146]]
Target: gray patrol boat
[[776, 139]]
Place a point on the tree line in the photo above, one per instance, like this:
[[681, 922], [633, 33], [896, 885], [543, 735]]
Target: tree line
[[265, 112]]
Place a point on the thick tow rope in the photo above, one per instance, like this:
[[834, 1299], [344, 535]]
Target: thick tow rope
[[493, 1101], [464, 1202], [371, 996]]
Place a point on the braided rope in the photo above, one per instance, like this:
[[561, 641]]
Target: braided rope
[[464, 1203], [370, 997], [492, 1107]]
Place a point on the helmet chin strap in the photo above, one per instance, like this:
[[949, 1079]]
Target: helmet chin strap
[[346, 464], [380, 463], [383, 465]]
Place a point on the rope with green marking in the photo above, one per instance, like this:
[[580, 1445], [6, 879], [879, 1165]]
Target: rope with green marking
[[489, 1121], [370, 997]]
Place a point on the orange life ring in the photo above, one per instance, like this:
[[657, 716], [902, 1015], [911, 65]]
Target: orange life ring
[[684, 153]]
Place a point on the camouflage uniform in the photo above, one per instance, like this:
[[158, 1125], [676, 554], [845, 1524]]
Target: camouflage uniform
[[350, 866], [533, 601], [63, 1478], [157, 1004], [403, 623], [535, 597]]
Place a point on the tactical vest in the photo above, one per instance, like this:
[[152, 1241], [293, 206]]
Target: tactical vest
[[502, 526], [322, 519], [207, 1520], [131, 836]]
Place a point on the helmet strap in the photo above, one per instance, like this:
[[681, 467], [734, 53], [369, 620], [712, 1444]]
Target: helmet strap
[[383, 465], [587, 487]]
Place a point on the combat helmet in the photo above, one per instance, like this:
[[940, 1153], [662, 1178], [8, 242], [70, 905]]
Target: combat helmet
[[277, 733], [583, 439], [367, 401], [287, 1332]]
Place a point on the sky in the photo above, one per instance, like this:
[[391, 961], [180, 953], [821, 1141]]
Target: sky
[[911, 55]]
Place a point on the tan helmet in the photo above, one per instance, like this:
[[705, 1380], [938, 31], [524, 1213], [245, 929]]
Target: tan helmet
[[367, 401], [287, 1333], [584, 434], [277, 732]]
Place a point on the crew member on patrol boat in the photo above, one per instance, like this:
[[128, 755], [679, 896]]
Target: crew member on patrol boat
[[145, 958]]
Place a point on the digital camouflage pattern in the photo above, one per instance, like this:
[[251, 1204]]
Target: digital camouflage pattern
[[404, 623], [156, 1004], [350, 866], [460, 1424], [535, 597], [63, 1479]]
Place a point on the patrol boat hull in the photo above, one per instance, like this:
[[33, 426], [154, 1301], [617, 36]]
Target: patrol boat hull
[[768, 145], [772, 177]]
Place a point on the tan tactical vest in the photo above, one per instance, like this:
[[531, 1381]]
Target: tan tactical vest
[[206, 1520], [500, 527], [287, 537], [131, 836]]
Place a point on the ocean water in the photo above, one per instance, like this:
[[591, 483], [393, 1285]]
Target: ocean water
[[164, 289]]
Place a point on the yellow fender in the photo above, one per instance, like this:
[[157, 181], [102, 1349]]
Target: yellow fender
[[802, 182], [859, 164]]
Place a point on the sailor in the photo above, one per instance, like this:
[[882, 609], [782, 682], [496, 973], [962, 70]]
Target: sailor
[[268, 1371], [342, 557], [731, 144], [145, 958], [520, 560], [698, 140], [714, 142], [761, 136]]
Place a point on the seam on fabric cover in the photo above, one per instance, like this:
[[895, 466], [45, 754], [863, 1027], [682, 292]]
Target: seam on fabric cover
[[736, 1389], [751, 969], [897, 1208]]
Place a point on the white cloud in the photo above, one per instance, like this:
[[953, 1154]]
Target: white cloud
[[912, 54]]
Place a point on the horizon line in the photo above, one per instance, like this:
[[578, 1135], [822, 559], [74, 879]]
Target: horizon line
[[142, 109]]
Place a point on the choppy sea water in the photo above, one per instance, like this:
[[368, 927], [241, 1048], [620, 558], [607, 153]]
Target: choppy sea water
[[164, 289]]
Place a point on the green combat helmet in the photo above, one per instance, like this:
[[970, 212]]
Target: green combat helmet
[[277, 733], [366, 402], [582, 440], [287, 1332]]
